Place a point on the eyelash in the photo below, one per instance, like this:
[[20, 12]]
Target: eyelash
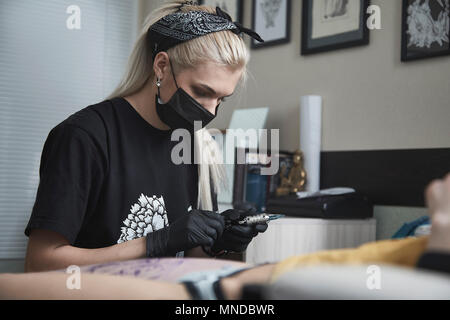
[[222, 100]]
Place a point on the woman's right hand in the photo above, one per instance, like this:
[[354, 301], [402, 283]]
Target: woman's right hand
[[196, 228]]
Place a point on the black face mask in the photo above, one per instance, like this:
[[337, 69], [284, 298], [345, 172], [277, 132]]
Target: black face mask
[[182, 110]]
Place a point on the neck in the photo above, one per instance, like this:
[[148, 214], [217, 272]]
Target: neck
[[144, 103]]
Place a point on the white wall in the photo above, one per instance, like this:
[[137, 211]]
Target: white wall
[[371, 99]]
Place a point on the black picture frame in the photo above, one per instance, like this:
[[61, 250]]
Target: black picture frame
[[345, 40], [241, 170], [286, 39], [239, 6], [408, 54]]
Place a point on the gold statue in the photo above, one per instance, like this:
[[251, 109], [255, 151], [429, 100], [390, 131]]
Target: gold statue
[[296, 179]]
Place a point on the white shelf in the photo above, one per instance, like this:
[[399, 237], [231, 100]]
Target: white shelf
[[297, 236]]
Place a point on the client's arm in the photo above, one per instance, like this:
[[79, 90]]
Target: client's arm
[[52, 285]]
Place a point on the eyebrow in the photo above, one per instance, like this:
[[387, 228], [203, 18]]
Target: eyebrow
[[211, 90]]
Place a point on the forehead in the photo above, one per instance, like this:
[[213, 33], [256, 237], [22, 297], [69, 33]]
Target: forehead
[[223, 79]]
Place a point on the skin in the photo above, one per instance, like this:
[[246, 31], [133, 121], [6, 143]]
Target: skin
[[437, 196], [48, 250], [12, 286]]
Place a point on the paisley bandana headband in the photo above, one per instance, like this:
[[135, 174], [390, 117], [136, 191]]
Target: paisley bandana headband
[[179, 27]]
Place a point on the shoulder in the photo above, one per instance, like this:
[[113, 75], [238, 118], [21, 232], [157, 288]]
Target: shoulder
[[89, 125], [91, 119]]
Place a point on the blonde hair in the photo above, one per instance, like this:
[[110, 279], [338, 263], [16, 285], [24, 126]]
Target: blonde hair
[[223, 48]]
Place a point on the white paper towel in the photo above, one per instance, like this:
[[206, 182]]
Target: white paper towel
[[310, 139]]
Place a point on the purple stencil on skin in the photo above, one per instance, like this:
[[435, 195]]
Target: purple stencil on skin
[[167, 269]]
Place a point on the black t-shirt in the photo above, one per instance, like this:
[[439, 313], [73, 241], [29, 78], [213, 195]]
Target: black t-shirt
[[106, 177]]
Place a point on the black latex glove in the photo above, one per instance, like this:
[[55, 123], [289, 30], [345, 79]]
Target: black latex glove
[[194, 229], [236, 238]]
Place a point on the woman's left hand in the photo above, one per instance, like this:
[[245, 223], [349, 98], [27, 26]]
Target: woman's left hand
[[236, 238]]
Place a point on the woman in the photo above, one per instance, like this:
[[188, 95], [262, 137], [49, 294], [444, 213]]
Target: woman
[[213, 281], [110, 188]]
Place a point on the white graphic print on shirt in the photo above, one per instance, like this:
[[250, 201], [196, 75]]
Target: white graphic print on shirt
[[147, 215]]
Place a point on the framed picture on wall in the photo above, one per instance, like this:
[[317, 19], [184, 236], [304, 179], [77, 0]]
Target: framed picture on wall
[[333, 24], [234, 8], [271, 19], [425, 29], [250, 184]]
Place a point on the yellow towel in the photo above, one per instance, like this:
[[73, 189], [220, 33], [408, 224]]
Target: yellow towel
[[403, 252]]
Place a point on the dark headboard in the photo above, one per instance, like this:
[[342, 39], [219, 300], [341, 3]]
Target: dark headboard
[[388, 177]]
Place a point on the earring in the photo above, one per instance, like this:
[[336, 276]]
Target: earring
[[158, 83]]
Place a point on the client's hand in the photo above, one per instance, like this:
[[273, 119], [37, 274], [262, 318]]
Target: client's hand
[[437, 196], [236, 238]]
